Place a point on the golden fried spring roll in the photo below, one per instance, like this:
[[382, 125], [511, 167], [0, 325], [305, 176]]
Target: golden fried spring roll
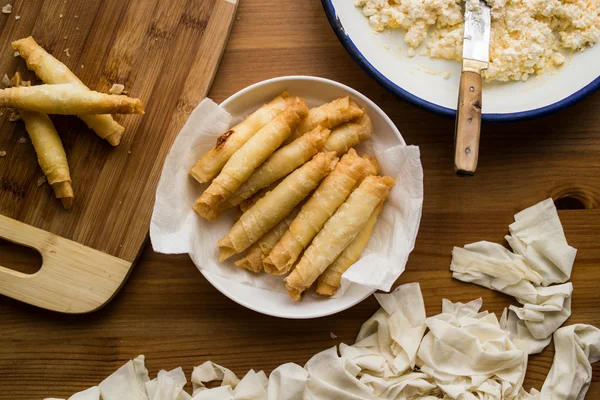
[[67, 99], [244, 161], [276, 205], [52, 71], [348, 135], [50, 153], [253, 260], [330, 195], [248, 203], [328, 115], [331, 280], [228, 143], [283, 162], [339, 231]]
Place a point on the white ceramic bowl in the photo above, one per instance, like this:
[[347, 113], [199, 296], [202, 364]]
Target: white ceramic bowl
[[385, 58], [316, 91]]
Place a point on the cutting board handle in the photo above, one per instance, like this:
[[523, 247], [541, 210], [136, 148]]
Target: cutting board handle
[[73, 279]]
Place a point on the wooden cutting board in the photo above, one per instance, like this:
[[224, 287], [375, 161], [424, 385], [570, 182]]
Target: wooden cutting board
[[165, 52]]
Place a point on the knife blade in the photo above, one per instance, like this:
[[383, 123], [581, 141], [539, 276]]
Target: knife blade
[[476, 43], [476, 57]]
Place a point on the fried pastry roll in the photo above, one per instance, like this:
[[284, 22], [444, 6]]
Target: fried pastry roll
[[67, 99], [253, 260], [52, 71], [328, 115], [331, 280], [283, 162], [339, 231], [211, 163], [276, 205], [243, 162], [50, 154], [329, 196], [348, 135]]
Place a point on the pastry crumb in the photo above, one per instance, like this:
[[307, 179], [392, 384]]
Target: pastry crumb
[[14, 117], [128, 151], [22, 140], [65, 38], [116, 88], [17, 17], [411, 52], [333, 335], [67, 52], [41, 180], [16, 54], [7, 9], [2, 153], [446, 75], [60, 16], [76, 28], [1, 113], [81, 66], [77, 16], [6, 80]]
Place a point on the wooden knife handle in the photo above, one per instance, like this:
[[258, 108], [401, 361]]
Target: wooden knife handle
[[468, 124]]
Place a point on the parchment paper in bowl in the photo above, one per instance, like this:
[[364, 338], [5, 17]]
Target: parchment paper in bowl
[[176, 229]]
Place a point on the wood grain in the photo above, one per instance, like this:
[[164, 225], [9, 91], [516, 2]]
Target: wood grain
[[166, 53], [468, 124], [169, 312]]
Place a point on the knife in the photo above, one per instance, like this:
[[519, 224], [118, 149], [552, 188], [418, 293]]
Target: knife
[[476, 57]]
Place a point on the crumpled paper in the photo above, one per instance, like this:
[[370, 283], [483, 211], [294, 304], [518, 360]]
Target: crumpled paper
[[538, 236], [466, 355], [544, 257], [176, 229], [467, 351], [577, 346]]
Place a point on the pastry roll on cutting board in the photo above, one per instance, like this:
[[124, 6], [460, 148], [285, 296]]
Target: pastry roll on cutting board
[[283, 162], [330, 195], [211, 163], [331, 280], [328, 115], [339, 231], [243, 162], [52, 71], [276, 205], [50, 153], [68, 99]]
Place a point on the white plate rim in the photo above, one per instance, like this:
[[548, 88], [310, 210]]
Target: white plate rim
[[356, 54], [228, 287]]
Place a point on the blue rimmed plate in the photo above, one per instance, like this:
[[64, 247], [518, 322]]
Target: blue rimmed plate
[[421, 81]]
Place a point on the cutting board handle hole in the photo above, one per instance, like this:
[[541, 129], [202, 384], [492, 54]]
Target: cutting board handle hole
[[19, 258]]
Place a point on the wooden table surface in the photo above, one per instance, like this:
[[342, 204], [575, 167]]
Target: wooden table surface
[[170, 313]]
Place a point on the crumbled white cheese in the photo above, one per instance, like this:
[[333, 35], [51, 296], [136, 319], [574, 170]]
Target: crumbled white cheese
[[67, 52], [7, 9], [116, 88], [527, 36], [6, 80], [16, 54]]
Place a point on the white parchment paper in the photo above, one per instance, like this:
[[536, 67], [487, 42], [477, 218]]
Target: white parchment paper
[[175, 228]]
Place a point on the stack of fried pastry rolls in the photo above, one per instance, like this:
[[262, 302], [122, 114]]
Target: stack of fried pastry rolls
[[62, 93], [307, 201]]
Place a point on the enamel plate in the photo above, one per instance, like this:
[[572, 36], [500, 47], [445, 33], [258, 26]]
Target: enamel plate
[[315, 91], [420, 79]]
